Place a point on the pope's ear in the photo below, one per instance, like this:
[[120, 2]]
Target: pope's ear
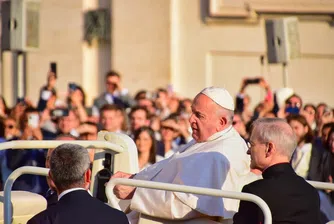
[[223, 120]]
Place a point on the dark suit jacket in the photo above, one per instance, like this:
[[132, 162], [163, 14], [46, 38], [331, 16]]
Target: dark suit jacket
[[290, 198], [79, 207], [315, 163], [123, 101]]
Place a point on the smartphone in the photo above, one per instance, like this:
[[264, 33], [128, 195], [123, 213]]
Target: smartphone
[[292, 110], [59, 113], [72, 86], [253, 81], [46, 94], [53, 68], [33, 120]]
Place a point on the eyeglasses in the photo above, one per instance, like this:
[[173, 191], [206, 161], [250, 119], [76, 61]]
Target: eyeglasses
[[250, 145]]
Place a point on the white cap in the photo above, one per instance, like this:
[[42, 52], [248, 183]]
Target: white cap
[[220, 96]]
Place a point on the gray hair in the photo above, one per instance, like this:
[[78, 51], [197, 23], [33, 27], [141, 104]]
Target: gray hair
[[221, 111], [277, 131], [68, 164]]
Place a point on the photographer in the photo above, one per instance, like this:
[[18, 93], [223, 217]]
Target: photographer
[[243, 100], [33, 157], [76, 101], [115, 93]]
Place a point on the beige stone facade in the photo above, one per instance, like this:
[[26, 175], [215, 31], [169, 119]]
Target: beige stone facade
[[188, 43]]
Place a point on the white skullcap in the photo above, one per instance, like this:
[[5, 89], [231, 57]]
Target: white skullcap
[[220, 96]]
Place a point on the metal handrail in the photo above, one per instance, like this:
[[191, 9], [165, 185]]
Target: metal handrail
[[322, 185], [9, 184], [35, 144], [188, 189]]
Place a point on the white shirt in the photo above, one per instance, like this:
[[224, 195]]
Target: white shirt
[[219, 163], [71, 190], [301, 159]]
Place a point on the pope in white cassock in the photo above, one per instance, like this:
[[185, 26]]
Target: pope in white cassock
[[216, 158]]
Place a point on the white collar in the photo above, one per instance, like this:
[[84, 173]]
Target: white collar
[[70, 190], [219, 134]]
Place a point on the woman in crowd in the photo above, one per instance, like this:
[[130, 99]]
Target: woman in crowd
[[309, 113], [76, 101], [146, 146], [306, 157], [327, 163]]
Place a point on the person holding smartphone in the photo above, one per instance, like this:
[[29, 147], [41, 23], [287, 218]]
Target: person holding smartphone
[[243, 99], [34, 157], [48, 90], [115, 93]]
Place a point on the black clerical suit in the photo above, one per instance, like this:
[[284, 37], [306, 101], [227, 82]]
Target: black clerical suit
[[79, 207], [290, 198]]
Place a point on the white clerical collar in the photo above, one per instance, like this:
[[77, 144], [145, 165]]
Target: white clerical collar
[[219, 134], [71, 190]]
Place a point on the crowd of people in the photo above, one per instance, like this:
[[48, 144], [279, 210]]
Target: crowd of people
[[160, 123]]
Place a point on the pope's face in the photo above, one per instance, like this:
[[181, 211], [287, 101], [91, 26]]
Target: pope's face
[[204, 120]]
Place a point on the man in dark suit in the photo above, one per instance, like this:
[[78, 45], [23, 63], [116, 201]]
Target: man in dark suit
[[290, 198], [114, 94], [70, 174]]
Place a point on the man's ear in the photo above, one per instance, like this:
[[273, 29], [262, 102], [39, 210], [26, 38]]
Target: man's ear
[[51, 182], [88, 175], [271, 149]]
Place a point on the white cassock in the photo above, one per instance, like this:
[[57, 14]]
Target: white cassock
[[219, 163]]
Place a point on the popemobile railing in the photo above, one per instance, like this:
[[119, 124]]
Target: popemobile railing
[[147, 184], [126, 160], [119, 145], [203, 191]]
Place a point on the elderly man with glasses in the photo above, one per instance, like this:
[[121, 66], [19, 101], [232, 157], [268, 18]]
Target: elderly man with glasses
[[290, 198]]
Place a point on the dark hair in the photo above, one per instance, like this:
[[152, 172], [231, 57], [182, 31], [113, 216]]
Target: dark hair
[[141, 94], [153, 149], [136, 108], [112, 73], [297, 96], [113, 107], [83, 96], [328, 138], [310, 105], [328, 125], [301, 119]]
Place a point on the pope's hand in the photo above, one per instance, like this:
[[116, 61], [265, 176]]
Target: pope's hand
[[122, 191]]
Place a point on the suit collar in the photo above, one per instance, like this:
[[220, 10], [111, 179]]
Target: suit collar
[[277, 170], [74, 194]]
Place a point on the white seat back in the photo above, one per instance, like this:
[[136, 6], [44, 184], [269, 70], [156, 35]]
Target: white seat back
[[25, 205]]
